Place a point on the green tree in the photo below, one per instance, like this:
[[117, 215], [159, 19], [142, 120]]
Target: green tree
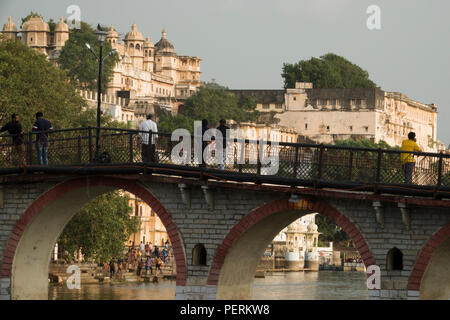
[[32, 14], [29, 83], [212, 102], [328, 71], [330, 231], [336, 162], [80, 63], [101, 228]]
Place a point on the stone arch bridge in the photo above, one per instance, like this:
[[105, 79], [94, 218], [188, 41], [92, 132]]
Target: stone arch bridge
[[234, 222], [233, 213]]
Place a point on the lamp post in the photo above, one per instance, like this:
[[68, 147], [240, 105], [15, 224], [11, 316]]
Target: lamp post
[[101, 36]]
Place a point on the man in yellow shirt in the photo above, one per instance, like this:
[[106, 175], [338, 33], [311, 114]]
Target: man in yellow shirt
[[408, 161]]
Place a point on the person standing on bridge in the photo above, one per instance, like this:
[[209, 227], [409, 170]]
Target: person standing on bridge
[[223, 128], [149, 143], [14, 128], [42, 124], [408, 161], [204, 136]]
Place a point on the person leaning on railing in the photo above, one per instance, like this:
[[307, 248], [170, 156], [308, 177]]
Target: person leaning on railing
[[14, 128], [408, 161]]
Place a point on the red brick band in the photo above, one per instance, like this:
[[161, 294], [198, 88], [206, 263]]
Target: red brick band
[[425, 255], [69, 185], [282, 205]]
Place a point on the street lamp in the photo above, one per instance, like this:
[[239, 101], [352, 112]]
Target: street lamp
[[101, 36]]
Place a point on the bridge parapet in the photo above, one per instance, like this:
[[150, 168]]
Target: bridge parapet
[[307, 165]]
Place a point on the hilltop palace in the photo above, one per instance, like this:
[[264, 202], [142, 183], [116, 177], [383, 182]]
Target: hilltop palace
[[146, 76]]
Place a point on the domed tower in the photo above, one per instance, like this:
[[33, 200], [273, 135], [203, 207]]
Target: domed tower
[[134, 42], [149, 52], [312, 241], [294, 241], [36, 34], [61, 34], [10, 29], [112, 37], [165, 57]]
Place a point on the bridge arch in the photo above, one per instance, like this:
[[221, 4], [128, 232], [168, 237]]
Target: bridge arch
[[431, 273], [233, 268], [28, 250]]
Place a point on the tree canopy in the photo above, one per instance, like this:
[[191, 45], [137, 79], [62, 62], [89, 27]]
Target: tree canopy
[[330, 231], [80, 63], [365, 143], [101, 228], [29, 83], [211, 102], [328, 71]]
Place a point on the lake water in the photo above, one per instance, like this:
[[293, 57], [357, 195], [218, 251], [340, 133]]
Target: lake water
[[323, 285]]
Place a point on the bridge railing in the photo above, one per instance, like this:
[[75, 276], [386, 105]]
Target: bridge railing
[[305, 162]]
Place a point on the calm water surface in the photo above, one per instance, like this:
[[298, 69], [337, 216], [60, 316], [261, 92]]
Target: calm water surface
[[323, 285]]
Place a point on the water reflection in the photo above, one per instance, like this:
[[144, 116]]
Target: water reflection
[[164, 290], [323, 285]]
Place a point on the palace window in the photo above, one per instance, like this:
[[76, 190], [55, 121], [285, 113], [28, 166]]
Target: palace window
[[265, 106], [351, 128], [328, 128], [306, 126], [294, 98]]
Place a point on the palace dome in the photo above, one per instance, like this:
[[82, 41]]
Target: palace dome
[[112, 33], [61, 26], [148, 43], [35, 24], [134, 34], [164, 44], [10, 26]]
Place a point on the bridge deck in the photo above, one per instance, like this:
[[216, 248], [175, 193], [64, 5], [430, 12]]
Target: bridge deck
[[355, 170]]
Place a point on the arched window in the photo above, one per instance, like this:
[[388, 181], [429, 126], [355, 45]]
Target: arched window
[[394, 260], [138, 47], [199, 255], [146, 53], [131, 46]]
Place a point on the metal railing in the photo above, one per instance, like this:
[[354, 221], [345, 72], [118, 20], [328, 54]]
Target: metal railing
[[299, 164]]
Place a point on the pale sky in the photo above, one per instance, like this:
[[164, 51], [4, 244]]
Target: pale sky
[[243, 43]]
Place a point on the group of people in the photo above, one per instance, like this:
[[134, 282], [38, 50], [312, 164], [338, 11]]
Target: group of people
[[41, 126], [144, 257], [148, 133]]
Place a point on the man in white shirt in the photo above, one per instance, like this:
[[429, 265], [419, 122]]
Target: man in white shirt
[[149, 144]]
